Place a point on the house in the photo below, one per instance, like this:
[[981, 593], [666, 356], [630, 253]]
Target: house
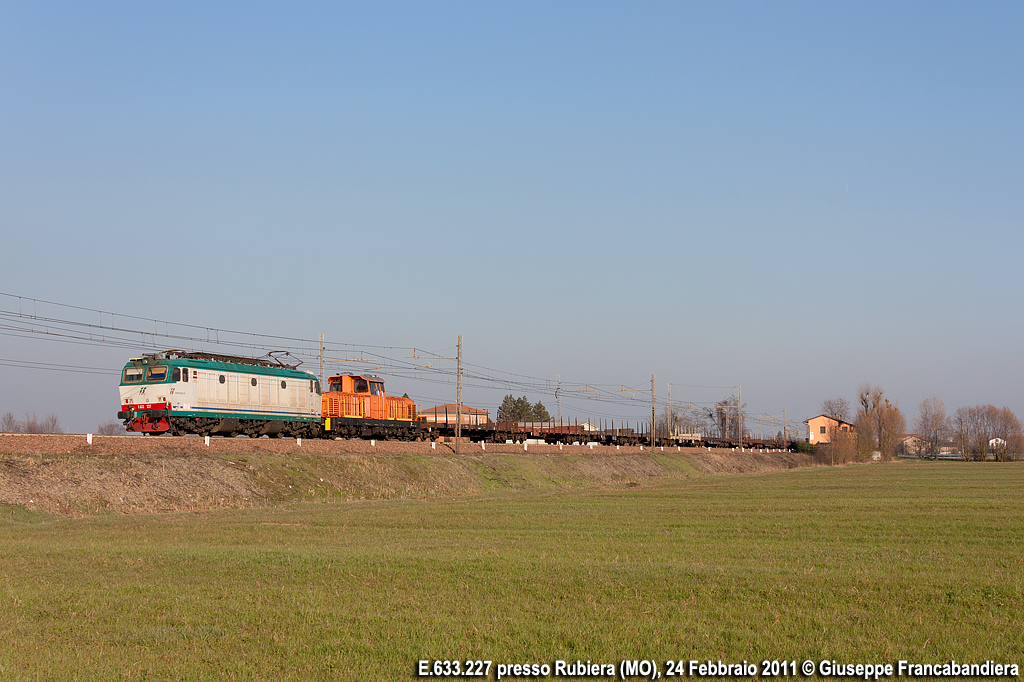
[[820, 428], [446, 414], [913, 444]]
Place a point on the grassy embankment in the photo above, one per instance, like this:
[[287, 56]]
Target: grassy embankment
[[916, 561]]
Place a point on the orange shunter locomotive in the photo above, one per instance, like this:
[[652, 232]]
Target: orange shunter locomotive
[[355, 406]]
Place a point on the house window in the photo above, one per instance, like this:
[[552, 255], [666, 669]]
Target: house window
[[822, 429]]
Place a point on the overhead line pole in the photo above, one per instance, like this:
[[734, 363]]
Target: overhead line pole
[[321, 361], [458, 387], [558, 397], [654, 438], [458, 397], [670, 416]]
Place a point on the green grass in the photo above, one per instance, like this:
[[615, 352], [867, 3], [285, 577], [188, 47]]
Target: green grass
[[880, 562]]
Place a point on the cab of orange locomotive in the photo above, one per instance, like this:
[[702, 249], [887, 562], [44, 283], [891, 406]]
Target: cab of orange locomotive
[[356, 383]]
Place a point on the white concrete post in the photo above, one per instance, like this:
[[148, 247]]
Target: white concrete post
[[88, 438]]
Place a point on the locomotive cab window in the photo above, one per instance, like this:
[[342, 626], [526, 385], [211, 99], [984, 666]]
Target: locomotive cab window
[[376, 388], [158, 373], [334, 387], [360, 385], [132, 375], [176, 374]]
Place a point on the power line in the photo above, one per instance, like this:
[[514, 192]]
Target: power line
[[120, 330]]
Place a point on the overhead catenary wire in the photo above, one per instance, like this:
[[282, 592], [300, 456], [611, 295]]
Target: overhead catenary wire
[[31, 318]]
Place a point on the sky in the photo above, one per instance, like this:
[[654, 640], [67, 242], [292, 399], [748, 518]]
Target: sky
[[793, 198]]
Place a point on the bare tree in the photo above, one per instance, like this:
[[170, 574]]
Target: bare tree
[[975, 428], [681, 419], [110, 428], [726, 418], [51, 424], [48, 424], [31, 423], [836, 408], [9, 423], [984, 423], [1012, 434], [891, 427], [962, 430], [880, 423], [985, 429], [869, 399], [932, 425], [841, 447]]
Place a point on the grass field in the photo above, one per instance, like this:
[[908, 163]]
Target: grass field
[[865, 563]]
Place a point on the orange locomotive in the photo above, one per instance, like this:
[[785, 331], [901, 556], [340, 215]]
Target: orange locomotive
[[355, 406]]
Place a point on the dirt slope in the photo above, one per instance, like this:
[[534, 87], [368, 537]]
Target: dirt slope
[[64, 474]]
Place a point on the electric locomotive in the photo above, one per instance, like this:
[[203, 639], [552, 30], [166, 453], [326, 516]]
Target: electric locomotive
[[204, 393]]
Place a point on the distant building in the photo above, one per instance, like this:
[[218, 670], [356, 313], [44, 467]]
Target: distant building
[[446, 414], [819, 428], [913, 444]]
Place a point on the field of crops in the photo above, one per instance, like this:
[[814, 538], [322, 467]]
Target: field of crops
[[916, 561]]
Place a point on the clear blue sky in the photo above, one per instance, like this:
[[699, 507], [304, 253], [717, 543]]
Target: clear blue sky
[[792, 197]]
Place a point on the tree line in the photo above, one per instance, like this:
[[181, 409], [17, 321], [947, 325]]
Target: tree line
[[30, 423], [974, 433]]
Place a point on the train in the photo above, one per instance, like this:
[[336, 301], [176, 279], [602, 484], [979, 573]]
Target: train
[[179, 393]]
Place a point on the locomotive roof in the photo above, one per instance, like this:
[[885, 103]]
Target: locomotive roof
[[271, 359], [368, 377], [222, 362]]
